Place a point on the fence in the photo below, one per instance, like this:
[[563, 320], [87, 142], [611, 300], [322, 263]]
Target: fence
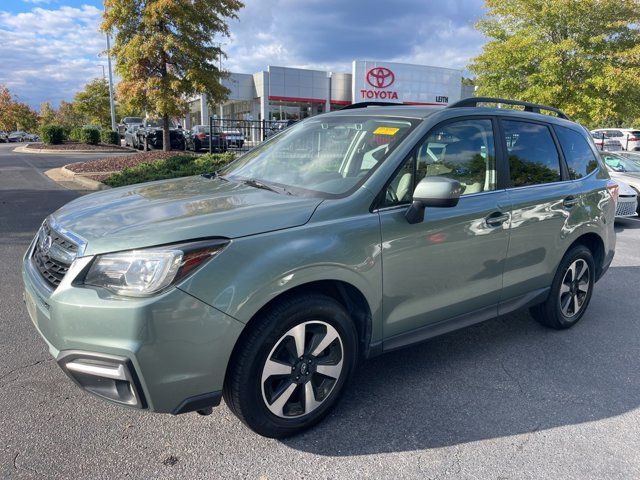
[[243, 135]]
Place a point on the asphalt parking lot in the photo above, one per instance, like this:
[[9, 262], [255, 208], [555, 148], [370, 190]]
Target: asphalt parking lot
[[507, 399]]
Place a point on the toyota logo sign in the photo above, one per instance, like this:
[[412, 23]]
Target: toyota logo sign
[[380, 77]]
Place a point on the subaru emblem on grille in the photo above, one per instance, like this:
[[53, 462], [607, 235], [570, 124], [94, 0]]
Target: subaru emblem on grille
[[45, 242]]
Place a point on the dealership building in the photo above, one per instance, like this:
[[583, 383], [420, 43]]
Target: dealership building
[[283, 93]]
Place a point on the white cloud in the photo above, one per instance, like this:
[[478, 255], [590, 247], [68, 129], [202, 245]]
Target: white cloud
[[49, 54]]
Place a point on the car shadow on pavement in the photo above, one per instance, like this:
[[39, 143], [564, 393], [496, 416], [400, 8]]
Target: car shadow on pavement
[[505, 377], [627, 224]]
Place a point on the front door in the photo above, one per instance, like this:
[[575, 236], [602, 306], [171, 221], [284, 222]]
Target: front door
[[450, 265]]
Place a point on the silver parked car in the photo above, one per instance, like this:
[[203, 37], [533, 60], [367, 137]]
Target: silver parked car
[[624, 168], [130, 135], [627, 204]]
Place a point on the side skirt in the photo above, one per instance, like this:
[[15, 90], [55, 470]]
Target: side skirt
[[461, 321]]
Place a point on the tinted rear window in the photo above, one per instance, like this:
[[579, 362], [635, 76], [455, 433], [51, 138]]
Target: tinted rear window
[[533, 157], [577, 152]]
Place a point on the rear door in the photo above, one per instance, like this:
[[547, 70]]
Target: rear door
[[545, 209]]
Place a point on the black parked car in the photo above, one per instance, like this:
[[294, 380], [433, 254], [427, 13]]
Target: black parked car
[[198, 138], [151, 131]]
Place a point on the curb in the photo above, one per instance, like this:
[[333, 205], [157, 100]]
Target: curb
[[24, 149], [63, 175]]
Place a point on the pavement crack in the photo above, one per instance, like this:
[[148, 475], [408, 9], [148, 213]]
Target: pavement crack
[[23, 367], [513, 378], [26, 469]]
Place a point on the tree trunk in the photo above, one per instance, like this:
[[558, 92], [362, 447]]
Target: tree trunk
[[166, 139]]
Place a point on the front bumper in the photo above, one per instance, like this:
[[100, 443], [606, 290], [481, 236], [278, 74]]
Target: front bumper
[[167, 353]]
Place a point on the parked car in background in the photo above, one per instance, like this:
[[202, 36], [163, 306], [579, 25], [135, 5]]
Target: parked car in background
[[125, 122], [4, 137], [629, 138], [16, 137], [605, 143], [151, 132], [234, 137], [264, 283], [31, 137], [198, 138], [277, 127], [130, 135], [624, 168], [627, 203]]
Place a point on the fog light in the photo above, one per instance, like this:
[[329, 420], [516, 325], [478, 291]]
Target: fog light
[[107, 376]]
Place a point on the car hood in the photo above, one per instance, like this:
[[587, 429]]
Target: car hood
[[632, 179], [177, 210]]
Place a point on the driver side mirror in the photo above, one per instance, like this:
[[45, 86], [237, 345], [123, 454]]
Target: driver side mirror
[[439, 192]]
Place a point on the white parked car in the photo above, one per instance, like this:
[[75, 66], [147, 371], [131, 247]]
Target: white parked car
[[624, 168], [605, 143], [629, 138], [234, 137]]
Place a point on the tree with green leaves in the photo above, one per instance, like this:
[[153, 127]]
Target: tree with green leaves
[[67, 116], [165, 50], [47, 114], [582, 56], [93, 103]]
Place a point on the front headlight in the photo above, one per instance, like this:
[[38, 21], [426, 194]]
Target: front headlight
[[140, 273]]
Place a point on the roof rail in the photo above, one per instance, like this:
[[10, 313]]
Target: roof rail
[[369, 104], [528, 107]]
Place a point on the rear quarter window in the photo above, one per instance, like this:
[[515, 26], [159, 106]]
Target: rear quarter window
[[581, 160]]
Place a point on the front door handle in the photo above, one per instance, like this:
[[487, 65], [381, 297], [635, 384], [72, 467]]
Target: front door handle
[[570, 201], [496, 219]]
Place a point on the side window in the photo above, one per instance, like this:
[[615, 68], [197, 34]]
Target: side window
[[533, 157], [580, 159], [463, 151]]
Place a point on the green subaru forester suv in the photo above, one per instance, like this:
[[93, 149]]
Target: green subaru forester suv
[[347, 235]]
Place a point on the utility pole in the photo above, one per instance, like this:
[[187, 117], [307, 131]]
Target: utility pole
[[114, 125]]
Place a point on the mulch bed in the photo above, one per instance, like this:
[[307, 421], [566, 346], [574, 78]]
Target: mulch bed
[[70, 146], [117, 163]]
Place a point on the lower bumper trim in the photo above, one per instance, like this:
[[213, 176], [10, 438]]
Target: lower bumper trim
[[198, 402]]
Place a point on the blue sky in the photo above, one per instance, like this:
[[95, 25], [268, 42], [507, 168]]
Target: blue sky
[[51, 48]]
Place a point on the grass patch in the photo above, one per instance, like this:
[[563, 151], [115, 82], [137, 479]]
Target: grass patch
[[172, 167]]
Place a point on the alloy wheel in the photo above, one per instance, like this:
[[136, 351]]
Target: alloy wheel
[[302, 369], [574, 288]]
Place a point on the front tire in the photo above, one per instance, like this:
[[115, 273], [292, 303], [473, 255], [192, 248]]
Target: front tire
[[289, 370], [571, 290]]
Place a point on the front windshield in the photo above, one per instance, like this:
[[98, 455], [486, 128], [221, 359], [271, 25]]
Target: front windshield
[[325, 155], [621, 163]]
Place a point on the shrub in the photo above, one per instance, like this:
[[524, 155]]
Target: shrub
[[52, 134], [110, 138], [89, 135], [173, 167], [75, 134]]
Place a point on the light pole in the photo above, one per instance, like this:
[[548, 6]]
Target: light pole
[[114, 125]]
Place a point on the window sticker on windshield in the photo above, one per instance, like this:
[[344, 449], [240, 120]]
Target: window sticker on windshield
[[386, 131]]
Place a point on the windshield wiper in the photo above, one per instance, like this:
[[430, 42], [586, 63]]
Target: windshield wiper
[[252, 182]]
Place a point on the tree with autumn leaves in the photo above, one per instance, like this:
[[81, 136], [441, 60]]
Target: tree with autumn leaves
[[15, 115], [165, 50], [582, 56]]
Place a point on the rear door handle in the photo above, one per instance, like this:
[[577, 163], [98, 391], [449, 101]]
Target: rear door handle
[[496, 219], [570, 201]]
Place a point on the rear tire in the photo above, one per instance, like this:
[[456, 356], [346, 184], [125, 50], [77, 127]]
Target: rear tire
[[288, 371], [571, 290]]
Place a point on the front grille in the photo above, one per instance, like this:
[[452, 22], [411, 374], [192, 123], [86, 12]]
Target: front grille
[[52, 255], [626, 207]]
